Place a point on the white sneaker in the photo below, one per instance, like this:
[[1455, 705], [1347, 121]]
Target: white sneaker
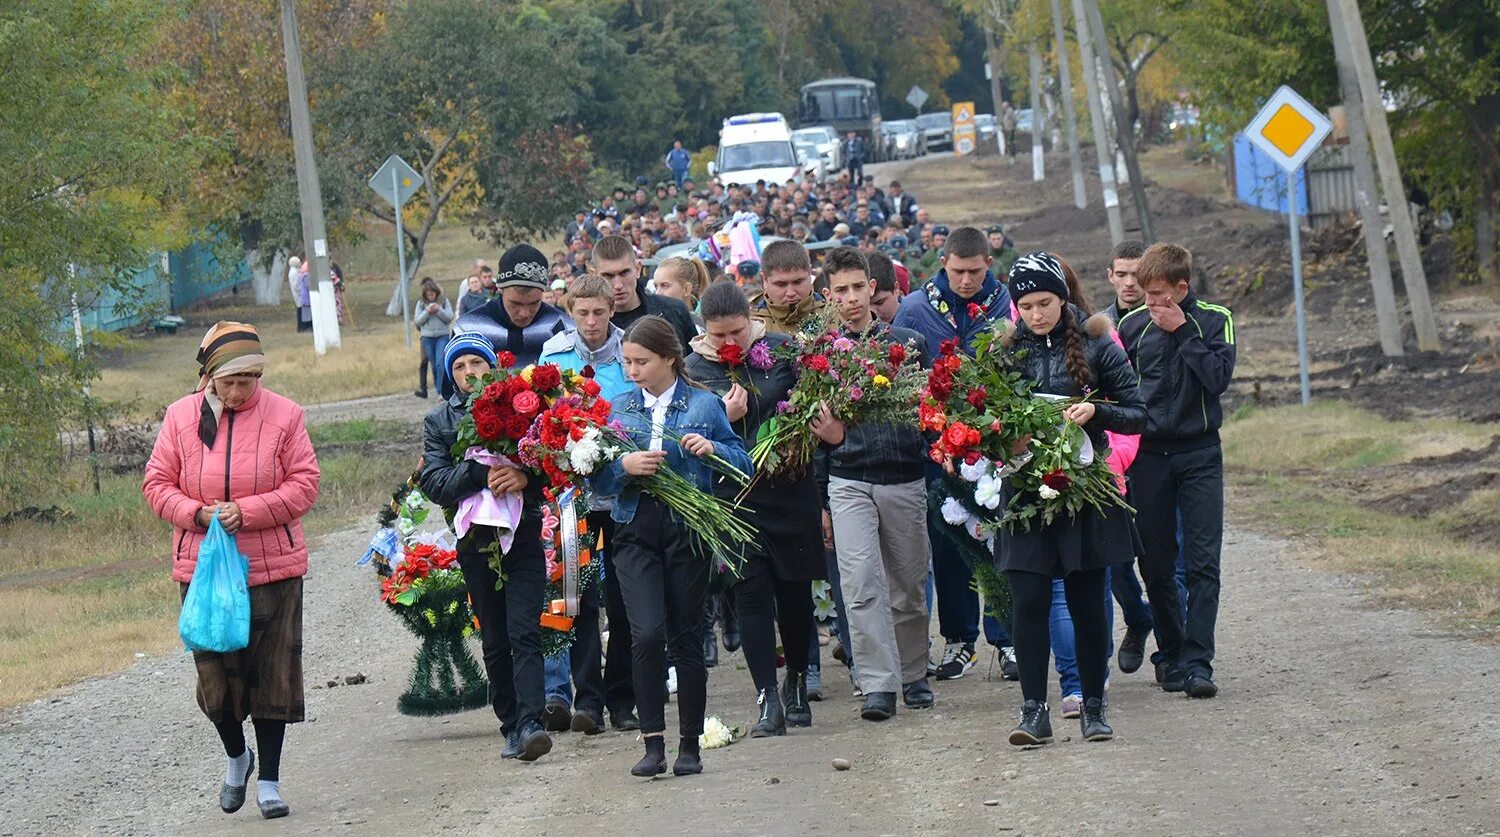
[[1072, 706]]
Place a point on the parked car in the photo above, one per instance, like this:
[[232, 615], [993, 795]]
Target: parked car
[[985, 125], [904, 139], [830, 145], [808, 155], [937, 129]]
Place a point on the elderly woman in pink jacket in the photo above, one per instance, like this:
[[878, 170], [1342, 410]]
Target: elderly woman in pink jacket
[[235, 448]]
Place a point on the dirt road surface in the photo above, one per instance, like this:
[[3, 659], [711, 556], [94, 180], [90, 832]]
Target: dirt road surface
[[1334, 719]]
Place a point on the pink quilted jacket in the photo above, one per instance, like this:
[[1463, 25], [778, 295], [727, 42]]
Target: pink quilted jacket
[[262, 459]]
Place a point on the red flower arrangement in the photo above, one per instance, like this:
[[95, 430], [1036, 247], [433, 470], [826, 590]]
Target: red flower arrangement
[[505, 405], [860, 379], [986, 417]]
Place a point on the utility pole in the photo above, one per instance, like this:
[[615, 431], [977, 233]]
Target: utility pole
[[1124, 129], [1365, 192], [309, 192], [1034, 57], [992, 58], [1065, 78], [1101, 136], [1412, 274]]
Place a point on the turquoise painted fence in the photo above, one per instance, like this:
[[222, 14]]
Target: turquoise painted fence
[[174, 281]]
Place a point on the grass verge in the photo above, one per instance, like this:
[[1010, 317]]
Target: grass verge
[[1326, 475], [82, 596]]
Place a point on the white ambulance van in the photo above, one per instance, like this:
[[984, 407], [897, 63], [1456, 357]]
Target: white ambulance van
[[754, 147]]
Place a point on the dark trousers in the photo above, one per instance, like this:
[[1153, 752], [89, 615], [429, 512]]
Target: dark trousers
[[619, 689], [856, 170], [764, 601], [665, 586], [957, 603], [1164, 486], [1085, 592], [508, 622], [585, 660], [1132, 600]]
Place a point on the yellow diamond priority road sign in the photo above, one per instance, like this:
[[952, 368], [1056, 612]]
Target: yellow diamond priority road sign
[[1288, 129]]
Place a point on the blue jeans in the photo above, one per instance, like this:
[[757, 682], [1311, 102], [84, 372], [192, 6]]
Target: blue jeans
[[433, 348], [679, 175], [558, 672], [957, 603], [1062, 639], [1126, 587], [841, 621]]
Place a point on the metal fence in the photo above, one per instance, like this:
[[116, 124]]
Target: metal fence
[[1324, 187], [173, 281]]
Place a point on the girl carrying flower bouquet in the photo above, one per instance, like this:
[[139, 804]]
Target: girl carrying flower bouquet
[[663, 572], [735, 359], [507, 616], [1061, 355]]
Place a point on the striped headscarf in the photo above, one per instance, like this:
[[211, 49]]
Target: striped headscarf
[[228, 348]]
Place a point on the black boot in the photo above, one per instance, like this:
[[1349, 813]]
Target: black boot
[[1094, 726], [710, 648], [772, 718], [654, 763], [731, 625], [688, 761], [794, 692], [1035, 726]]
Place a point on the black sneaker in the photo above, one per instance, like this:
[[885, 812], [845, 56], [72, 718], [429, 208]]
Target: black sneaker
[[1132, 650], [1200, 686], [1008, 668], [918, 695], [879, 706], [587, 721], [958, 658], [535, 742], [1093, 724], [624, 721], [512, 746], [557, 716], [1173, 680], [1035, 726]]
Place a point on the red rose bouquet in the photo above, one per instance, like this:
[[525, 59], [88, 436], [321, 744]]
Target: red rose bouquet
[[989, 423], [861, 379], [504, 406]]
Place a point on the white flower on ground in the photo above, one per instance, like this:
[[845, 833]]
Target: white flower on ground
[[954, 512], [716, 734], [987, 492], [1048, 492]]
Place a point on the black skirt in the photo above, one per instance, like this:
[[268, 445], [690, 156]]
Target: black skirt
[[1093, 540], [788, 517]]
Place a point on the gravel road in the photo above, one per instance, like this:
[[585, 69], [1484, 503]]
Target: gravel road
[[1335, 718]]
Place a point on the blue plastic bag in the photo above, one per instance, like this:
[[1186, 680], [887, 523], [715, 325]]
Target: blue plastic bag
[[216, 611]]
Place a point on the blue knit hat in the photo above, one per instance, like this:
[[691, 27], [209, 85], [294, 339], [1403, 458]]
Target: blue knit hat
[[466, 343]]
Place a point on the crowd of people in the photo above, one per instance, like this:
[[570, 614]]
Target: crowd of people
[[1144, 376]]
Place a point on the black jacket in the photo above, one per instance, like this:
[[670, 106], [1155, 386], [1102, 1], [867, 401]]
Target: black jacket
[[493, 321], [1182, 374], [765, 387], [446, 482], [1118, 403], [669, 309], [882, 454]]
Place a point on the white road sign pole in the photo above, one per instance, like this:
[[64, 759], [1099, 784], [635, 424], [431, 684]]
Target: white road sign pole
[[401, 259], [1303, 361], [403, 182], [1288, 129]]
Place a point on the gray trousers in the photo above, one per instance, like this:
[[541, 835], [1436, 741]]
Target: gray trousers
[[880, 534]]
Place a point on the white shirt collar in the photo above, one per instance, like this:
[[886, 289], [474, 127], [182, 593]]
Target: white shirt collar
[[664, 399]]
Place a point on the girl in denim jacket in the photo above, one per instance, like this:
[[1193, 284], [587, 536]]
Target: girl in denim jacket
[[663, 574]]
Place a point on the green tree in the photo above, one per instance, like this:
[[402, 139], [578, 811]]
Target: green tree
[[90, 166], [451, 85]]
